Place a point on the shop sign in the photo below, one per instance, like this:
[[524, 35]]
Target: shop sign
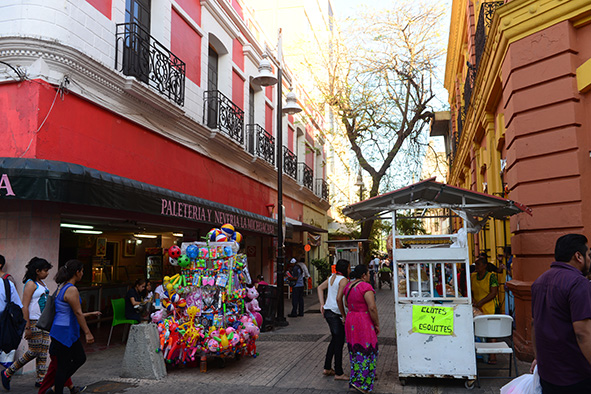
[[209, 215], [5, 184], [434, 320]]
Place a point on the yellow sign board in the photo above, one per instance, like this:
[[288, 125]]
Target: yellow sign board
[[436, 320]]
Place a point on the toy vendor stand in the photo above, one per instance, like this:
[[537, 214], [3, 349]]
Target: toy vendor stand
[[434, 320]]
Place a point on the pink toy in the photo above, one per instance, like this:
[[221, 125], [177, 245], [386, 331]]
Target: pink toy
[[252, 304], [213, 346], [158, 316], [233, 336]]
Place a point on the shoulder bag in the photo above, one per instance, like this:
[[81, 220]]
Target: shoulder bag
[[46, 319]]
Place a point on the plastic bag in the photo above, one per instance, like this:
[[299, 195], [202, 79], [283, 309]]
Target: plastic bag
[[525, 384]]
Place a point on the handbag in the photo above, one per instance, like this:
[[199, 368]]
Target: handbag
[[46, 319]]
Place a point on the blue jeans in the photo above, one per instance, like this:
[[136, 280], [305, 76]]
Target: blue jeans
[[335, 347]]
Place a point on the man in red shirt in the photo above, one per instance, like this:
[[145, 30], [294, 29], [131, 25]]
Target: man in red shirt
[[561, 312]]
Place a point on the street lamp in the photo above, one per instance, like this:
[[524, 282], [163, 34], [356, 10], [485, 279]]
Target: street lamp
[[266, 78], [359, 183]]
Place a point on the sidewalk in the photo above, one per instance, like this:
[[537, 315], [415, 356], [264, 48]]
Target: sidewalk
[[290, 361]]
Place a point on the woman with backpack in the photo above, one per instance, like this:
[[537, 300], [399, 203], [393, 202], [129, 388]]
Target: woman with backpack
[[35, 296]]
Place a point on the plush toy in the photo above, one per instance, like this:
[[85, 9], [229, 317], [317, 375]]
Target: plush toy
[[252, 304]]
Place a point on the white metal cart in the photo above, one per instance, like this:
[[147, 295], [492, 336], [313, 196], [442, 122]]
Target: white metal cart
[[428, 347], [434, 326]]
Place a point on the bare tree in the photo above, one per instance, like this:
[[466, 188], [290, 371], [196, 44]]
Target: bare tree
[[379, 83]]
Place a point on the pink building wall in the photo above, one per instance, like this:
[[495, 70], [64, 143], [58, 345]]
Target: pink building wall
[[547, 150]]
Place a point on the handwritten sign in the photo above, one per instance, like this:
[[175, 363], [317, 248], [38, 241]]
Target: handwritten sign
[[437, 320]]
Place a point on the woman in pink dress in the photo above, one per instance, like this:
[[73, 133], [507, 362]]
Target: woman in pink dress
[[362, 327]]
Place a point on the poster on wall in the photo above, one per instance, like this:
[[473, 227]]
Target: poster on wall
[[129, 248], [101, 247]]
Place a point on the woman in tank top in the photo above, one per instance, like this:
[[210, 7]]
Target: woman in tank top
[[69, 318], [34, 297], [334, 313]]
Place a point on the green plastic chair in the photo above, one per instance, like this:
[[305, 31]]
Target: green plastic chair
[[119, 316]]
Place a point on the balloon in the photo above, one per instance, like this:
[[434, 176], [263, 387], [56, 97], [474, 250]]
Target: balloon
[[192, 251], [184, 261], [221, 237], [174, 252], [213, 233], [228, 229]]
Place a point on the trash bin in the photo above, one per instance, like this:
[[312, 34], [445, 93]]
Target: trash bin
[[268, 305]]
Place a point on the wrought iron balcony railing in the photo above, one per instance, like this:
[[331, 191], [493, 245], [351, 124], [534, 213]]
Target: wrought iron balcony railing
[[221, 113], [487, 11], [469, 85], [461, 117], [322, 188], [305, 175], [290, 163], [260, 143], [140, 55]]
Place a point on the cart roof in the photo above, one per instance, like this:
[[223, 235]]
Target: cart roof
[[432, 194]]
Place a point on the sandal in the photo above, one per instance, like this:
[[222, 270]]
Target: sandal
[[341, 377], [328, 372]]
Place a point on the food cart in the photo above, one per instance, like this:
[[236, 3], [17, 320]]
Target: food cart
[[434, 321]]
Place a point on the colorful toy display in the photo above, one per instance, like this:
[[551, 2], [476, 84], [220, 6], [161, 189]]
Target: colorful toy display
[[207, 308]]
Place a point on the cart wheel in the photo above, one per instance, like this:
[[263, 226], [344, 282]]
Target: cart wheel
[[469, 384], [403, 381]]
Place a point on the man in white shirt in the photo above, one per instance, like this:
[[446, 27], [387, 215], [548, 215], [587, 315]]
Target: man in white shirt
[[373, 267]]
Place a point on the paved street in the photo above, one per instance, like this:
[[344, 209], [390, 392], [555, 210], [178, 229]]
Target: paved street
[[290, 361]]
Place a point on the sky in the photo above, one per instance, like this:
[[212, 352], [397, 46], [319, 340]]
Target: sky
[[345, 8]]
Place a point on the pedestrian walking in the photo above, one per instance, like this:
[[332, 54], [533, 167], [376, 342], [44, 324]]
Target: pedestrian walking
[[297, 292], [47, 384], [362, 328], [373, 267], [4, 297], [65, 332], [333, 311], [35, 296], [561, 319]]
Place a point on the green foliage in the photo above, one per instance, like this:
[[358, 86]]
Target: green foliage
[[323, 268], [409, 226]]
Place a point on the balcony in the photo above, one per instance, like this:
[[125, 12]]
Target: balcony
[[468, 86], [221, 113], [140, 55], [487, 11], [322, 188], [290, 163], [260, 143], [305, 175]]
